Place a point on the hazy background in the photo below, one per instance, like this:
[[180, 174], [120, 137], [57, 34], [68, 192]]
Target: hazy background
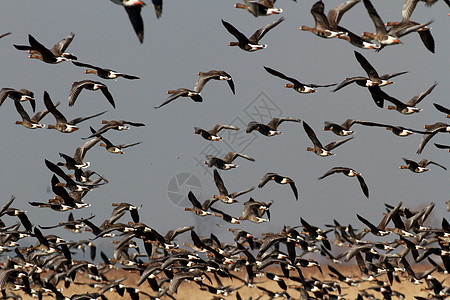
[[190, 38]]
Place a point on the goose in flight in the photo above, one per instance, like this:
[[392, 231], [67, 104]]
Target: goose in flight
[[31, 123], [212, 133], [382, 35], [271, 128], [302, 88], [226, 162], [318, 148], [419, 167], [280, 180], [133, 9], [204, 77], [102, 72], [181, 92], [62, 124], [260, 8], [52, 56], [224, 195], [431, 131], [250, 44], [327, 26], [350, 173], [20, 95], [373, 81], [91, 85]]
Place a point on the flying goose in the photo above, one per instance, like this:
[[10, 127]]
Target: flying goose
[[103, 73], [31, 123], [20, 95], [327, 27], [76, 162], [118, 125], [410, 106], [382, 36], [419, 167], [212, 133], [271, 128], [373, 82], [432, 130], [303, 88], [250, 44], [62, 124], [351, 173], [52, 56], [204, 77], [424, 32], [91, 85], [380, 230], [133, 9], [122, 207], [198, 208], [318, 148], [226, 162], [224, 216], [397, 130], [70, 183], [254, 211], [357, 40], [224, 195], [343, 129], [181, 92], [110, 146], [280, 180], [260, 7]]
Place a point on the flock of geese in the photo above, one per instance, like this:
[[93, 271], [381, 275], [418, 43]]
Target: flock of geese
[[48, 268]]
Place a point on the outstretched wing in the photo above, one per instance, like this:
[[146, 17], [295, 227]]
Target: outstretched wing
[[62, 45], [416, 99], [318, 12], [231, 156], [333, 145], [312, 135], [331, 171], [219, 183], [281, 75], [365, 64], [194, 200], [52, 109], [266, 178], [363, 185], [81, 119], [134, 13], [237, 34], [259, 34], [253, 125], [436, 164], [294, 189], [275, 122], [172, 97], [442, 108], [347, 81], [335, 14], [379, 25], [108, 95]]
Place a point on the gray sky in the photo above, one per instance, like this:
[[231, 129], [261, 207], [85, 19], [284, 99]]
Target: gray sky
[[190, 38]]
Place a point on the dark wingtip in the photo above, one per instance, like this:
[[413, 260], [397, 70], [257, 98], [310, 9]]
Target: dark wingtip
[[140, 36]]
